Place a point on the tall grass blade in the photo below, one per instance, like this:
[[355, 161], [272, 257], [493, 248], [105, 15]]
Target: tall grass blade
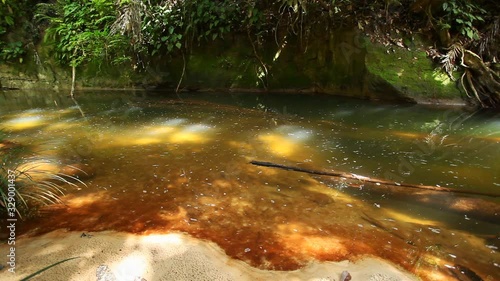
[[48, 267]]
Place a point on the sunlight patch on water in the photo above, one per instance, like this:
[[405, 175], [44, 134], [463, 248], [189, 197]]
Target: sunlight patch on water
[[159, 130], [191, 134], [23, 123], [39, 169], [166, 132], [174, 122], [35, 118], [300, 238], [84, 200], [63, 125], [145, 141], [398, 216], [279, 145], [287, 141], [294, 132], [197, 128]]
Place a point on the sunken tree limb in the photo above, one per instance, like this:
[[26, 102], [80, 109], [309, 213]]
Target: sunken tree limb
[[369, 179]]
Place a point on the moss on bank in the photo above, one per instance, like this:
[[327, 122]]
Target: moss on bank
[[411, 71], [340, 63]]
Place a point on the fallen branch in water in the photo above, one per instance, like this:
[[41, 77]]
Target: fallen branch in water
[[368, 179]]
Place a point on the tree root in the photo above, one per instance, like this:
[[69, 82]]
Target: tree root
[[481, 81]]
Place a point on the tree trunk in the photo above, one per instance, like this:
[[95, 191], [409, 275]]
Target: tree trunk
[[73, 77]]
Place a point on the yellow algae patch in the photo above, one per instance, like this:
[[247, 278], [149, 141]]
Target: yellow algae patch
[[279, 145]]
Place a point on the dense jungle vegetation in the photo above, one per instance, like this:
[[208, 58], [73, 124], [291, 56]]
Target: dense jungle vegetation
[[133, 33]]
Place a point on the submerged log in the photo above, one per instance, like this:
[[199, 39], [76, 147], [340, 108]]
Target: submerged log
[[369, 179], [432, 196]]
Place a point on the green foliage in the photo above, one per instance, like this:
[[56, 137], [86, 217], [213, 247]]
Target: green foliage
[[461, 15], [79, 31], [163, 28], [170, 26], [10, 12], [212, 19], [11, 50]]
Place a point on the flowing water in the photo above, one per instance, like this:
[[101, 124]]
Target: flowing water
[[181, 163]]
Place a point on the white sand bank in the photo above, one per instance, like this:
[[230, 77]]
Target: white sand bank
[[120, 256]]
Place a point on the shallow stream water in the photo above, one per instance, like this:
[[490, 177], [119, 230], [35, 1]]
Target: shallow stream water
[[181, 163]]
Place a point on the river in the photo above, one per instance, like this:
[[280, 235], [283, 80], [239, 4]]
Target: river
[[170, 162]]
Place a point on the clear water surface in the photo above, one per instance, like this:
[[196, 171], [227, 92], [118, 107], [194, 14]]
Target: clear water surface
[[181, 163]]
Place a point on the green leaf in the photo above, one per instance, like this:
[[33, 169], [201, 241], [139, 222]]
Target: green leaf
[[470, 33], [164, 38], [178, 45], [9, 20]]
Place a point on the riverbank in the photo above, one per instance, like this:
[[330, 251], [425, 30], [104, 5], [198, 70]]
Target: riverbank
[[174, 256], [354, 67]]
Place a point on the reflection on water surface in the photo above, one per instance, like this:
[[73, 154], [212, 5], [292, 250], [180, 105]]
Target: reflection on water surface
[[168, 164]]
